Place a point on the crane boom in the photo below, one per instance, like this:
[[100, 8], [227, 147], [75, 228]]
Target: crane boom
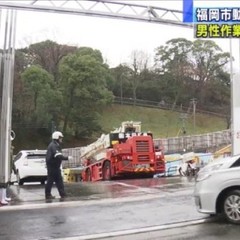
[[93, 151]]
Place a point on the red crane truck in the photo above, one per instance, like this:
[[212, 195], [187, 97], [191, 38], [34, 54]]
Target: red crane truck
[[126, 152]]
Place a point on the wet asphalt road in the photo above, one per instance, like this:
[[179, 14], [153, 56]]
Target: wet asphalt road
[[216, 230], [84, 191], [100, 208]]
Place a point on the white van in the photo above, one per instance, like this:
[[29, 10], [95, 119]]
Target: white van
[[217, 188]]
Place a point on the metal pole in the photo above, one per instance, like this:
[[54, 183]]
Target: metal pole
[[1, 99], [194, 116], [232, 100], [7, 88], [193, 101], [3, 110], [121, 88], [1, 62], [235, 106], [10, 77]]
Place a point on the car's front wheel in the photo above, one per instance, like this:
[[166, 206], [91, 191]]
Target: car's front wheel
[[19, 180], [231, 206]]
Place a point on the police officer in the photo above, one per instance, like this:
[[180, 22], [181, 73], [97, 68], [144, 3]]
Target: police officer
[[54, 159]]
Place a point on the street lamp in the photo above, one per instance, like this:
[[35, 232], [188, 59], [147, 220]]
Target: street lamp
[[121, 86]]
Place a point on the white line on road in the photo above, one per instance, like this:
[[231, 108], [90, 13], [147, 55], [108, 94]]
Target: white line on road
[[137, 230]]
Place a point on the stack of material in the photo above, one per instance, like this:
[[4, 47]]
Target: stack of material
[[72, 174]]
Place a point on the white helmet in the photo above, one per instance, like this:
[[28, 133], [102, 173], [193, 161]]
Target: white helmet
[[56, 135]]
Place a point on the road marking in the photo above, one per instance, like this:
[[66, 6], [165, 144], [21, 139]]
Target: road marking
[[163, 186], [79, 203], [137, 230], [142, 189], [152, 189]]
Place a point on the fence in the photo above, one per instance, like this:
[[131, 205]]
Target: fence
[[164, 106], [203, 142]]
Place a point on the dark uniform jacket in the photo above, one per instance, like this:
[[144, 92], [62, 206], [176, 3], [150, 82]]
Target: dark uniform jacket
[[54, 155]]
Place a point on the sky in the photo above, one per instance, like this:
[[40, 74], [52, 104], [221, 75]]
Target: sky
[[115, 38]]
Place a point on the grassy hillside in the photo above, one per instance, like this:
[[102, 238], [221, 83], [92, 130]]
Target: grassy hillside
[[162, 123]]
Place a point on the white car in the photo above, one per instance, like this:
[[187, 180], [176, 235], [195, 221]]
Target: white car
[[217, 189], [30, 166]]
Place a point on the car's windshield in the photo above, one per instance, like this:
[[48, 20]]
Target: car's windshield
[[36, 156], [236, 163]]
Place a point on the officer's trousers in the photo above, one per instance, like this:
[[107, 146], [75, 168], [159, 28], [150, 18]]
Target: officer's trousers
[[54, 175]]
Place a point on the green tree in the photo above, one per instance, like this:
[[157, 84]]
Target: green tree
[[191, 69], [173, 62], [138, 66], [208, 60], [121, 86], [84, 89], [19, 101], [39, 94], [150, 86]]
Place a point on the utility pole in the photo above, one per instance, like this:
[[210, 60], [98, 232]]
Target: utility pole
[[184, 117], [121, 87], [194, 103]]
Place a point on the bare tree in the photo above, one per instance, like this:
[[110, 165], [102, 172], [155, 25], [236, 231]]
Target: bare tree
[[139, 64]]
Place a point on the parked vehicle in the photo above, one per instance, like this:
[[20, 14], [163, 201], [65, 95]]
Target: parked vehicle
[[30, 166], [217, 189], [126, 152]]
